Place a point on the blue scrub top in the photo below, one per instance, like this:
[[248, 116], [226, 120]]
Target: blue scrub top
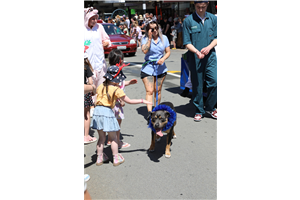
[[156, 51]]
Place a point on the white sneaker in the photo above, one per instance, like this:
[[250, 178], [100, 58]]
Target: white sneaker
[[91, 112], [86, 178]]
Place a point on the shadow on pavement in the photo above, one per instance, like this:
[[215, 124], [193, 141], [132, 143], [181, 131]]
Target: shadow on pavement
[[143, 111], [159, 151]]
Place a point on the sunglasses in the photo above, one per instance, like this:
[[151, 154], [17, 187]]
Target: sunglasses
[[152, 29]]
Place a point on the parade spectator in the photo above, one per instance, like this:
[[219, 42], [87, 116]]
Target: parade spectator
[[132, 25], [154, 45], [174, 36], [166, 29], [178, 28], [88, 102], [104, 119], [95, 34], [141, 20], [125, 23], [136, 16], [118, 20], [159, 19], [142, 24], [128, 23], [110, 20], [150, 16], [125, 29], [138, 34], [117, 57], [200, 40]]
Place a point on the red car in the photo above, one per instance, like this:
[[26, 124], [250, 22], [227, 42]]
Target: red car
[[119, 40]]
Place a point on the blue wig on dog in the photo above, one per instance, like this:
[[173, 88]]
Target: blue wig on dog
[[171, 119]]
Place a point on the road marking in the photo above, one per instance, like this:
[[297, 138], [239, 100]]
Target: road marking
[[174, 72], [169, 72], [176, 75]]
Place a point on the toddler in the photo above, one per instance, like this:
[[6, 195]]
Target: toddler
[[116, 57], [104, 119], [174, 34]]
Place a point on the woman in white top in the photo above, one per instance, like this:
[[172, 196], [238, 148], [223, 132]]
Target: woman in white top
[[138, 33], [96, 39]]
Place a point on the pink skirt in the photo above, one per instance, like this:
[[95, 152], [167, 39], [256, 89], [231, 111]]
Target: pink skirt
[[118, 110]]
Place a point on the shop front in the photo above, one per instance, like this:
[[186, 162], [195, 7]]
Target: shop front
[[162, 8]]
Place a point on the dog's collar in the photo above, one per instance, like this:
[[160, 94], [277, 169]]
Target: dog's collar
[[171, 119]]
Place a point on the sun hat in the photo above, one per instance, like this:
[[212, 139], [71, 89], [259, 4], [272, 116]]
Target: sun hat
[[141, 17], [115, 74]]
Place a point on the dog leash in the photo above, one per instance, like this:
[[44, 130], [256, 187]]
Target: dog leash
[[154, 63]]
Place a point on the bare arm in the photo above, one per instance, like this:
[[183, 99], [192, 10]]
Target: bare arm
[[132, 81], [146, 47], [134, 101], [89, 88], [167, 54]]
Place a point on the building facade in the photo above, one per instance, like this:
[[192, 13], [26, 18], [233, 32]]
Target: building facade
[[163, 8]]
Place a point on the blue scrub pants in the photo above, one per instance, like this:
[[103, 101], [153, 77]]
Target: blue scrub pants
[[204, 69]]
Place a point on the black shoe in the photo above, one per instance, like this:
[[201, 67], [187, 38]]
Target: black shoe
[[185, 92]]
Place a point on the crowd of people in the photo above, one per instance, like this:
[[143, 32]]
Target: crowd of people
[[136, 27], [104, 94]]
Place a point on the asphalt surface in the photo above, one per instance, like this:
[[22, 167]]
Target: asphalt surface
[[190, 173]]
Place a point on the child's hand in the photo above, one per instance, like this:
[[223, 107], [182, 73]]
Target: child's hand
[[122, 103], [132, 81]]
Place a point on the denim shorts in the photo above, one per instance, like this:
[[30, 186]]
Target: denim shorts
[[143, 75]]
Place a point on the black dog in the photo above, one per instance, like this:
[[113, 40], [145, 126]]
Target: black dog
[[159, 120]]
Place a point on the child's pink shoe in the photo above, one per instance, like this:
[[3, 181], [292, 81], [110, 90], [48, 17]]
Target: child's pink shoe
[[101, 159], [118, 159]]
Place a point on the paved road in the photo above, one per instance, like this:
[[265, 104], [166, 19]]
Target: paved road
[[190, 173]]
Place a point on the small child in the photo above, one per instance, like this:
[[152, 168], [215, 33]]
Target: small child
[[174, 34], [116, 57], [104, 119]]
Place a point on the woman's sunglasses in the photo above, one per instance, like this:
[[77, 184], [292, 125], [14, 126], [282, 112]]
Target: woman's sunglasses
[[152, 29]]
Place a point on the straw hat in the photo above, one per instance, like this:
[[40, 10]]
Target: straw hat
[[141, 18]]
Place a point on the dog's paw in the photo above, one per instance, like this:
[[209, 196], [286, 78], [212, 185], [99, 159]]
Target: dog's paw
[[151, 149], [174, 136]]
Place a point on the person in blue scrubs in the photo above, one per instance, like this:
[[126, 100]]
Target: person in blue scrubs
[[200, 38], [155, 46]]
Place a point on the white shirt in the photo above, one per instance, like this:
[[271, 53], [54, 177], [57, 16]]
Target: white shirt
[[201, 18], [128, 23]]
